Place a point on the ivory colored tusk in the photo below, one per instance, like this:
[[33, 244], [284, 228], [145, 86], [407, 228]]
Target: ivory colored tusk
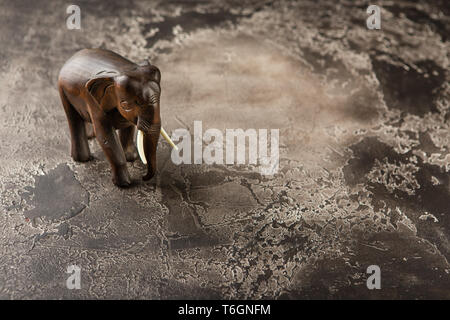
[[166, 136], [140, 146], [140, 143]]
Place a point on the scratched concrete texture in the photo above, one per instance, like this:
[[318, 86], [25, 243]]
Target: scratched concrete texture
[[364, 153]]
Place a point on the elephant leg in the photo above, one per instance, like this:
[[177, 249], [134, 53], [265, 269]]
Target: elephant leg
[[79, 143], [107, 138], [126, 136], [89, 130]]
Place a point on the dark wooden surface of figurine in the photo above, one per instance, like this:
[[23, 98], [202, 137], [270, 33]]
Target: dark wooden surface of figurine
[[103, 88]]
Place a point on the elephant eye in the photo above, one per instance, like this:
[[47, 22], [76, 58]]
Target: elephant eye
[[125, 105]]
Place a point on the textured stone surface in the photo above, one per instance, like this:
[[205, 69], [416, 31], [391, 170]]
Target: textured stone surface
[[364, 146]]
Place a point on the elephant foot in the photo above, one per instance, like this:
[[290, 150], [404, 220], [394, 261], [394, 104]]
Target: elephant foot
[[82, 159], [121, 177], [81, 156]]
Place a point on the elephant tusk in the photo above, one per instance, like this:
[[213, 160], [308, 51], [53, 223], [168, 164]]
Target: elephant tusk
[[140, 143], [140, 146], [166, 136]]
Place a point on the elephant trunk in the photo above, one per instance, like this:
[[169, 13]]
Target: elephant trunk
[[150, 141], [150, 145]]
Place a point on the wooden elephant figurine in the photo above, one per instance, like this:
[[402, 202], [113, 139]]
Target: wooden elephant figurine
[[103, 88]]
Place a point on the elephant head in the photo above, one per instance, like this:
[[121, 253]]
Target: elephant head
[[137, 96]]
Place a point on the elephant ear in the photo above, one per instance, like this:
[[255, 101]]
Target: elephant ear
[[97, 85], [155, 74]]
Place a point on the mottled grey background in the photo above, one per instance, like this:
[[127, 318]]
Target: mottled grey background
[[364, 146]]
